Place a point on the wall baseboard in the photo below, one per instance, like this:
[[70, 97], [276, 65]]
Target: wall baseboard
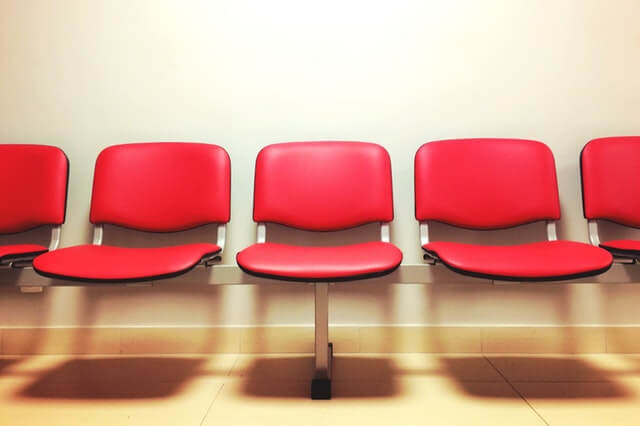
[[299, 339]]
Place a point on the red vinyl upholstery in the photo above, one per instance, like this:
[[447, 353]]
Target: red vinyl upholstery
[[540, 261], [610, 170], [109, 264], [161, 187], [20, 251], [324, 264], [624, 248], [33, 186], [492, 184], [610, 176], [323, 186], [485, 183]]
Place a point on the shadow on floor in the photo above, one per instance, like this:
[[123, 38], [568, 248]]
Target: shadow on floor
[[7, 362], [288, 377], [148, 377], [115, 378], [563, 378]]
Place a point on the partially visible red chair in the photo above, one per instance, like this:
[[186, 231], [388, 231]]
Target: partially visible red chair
[[611, 191], [33, 190], [322, 186], [153, 187], [487, 184]]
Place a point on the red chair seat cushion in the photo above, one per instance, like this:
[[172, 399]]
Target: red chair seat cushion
[[93, 263], [623, 247], [20, 251], [540, 261], [320, 264]]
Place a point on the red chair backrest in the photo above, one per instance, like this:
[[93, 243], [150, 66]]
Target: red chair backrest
[[611, 179], [161, 186], [323, 186], [486, 183], [33, 186]]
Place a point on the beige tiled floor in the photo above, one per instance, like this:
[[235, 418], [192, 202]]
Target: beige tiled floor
[[407, 389]]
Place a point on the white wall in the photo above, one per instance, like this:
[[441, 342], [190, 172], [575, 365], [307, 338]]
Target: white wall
[[83, 75]]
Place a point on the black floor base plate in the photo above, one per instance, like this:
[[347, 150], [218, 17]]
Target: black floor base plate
[[321, 389]]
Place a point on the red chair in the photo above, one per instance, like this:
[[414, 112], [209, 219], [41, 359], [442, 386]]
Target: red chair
[[153, 187], [491, 184], [610, 172], [33, 193], [322, 186]]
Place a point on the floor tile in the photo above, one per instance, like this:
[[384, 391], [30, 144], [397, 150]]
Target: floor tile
[[419, 401], [110, 390], [265, 367], [380, 367], [463, 367], [565, 368], [51, 369], [105, 402], [586, 403], [273, 389]]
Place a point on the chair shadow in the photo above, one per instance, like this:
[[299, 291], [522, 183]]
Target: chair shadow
[[377, 377], [545, 378], [8, 362], [115, 378], [290, 377]]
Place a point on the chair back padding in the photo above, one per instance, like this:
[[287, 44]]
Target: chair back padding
[[611, 179], [161, 186], [323, 186], [33, 186], [485, 183]]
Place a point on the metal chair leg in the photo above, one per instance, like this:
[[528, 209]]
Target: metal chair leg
[[321, 383]]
